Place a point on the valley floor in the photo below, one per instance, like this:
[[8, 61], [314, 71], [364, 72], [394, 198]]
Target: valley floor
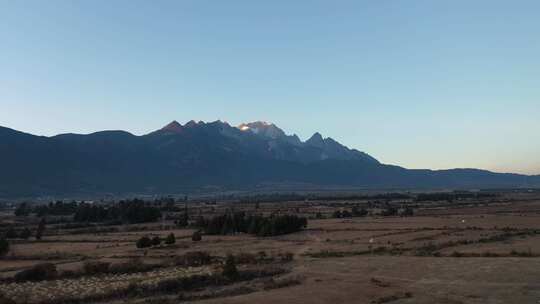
[[478, 253]]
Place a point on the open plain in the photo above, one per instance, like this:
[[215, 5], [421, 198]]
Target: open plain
[[471, 250]]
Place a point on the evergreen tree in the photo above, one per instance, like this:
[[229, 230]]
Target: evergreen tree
[[11, 233], [229, 270], [144, 242], [408, 211], [200, 222], [389, 211], [156, 241], [25, 234], [359, 212], [40, 229], [346, 214], [196, 236], [4, 247], [22, 210], [253, 225], [171, 239]]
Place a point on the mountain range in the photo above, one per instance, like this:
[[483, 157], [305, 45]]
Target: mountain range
[[214, 156]]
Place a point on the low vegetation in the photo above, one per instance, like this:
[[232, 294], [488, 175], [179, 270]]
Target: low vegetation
[[237, 222], [61, 253], [4, 247]]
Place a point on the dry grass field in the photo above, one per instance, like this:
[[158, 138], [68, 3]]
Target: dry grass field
[[473, 251]]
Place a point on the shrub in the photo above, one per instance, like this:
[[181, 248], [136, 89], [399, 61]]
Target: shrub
[[346, 214], [359, 212], [379, 282], [286, 257], [194, 258], [408, 211], [11, 233], [280, 283], [144, 242], [196, 236], [4, 247], [246, 258], [130, 266], [22, 210], [95, 267], [156, 241], [229, 270], [67, 274], [171, 239], [426, 249], [40, 229], [456, 254], [183, 221], [522, 253], [232, 223], [169, 285], [389, 211], [133, 289], [261, 255], [25, 234], [40, 272], [174, 285], [336, 214]]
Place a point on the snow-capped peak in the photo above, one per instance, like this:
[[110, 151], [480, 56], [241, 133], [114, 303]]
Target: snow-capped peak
[[263, 128]]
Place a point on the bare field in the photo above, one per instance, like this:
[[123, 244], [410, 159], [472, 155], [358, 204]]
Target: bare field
[[482, 252]]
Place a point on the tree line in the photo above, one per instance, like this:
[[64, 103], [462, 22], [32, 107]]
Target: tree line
[[131, 211], [453, 196]]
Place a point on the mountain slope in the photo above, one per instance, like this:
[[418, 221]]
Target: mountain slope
[[181, 158]]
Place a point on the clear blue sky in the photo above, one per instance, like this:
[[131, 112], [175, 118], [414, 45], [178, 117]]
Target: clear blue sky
[[422, 84]]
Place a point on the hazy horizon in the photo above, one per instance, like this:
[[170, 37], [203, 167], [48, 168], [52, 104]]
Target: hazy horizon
[[418, 84]]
